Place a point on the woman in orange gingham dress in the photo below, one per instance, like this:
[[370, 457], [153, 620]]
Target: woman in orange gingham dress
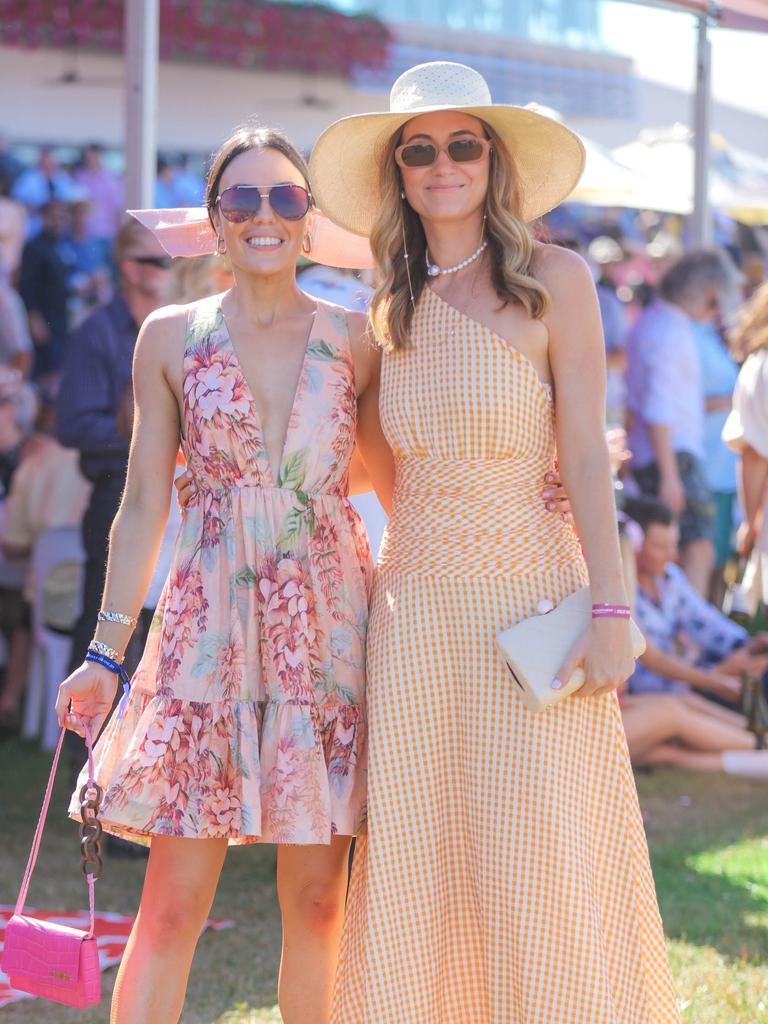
[[504, 878]]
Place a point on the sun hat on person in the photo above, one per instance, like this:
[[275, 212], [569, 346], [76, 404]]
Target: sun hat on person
[[345, 162]]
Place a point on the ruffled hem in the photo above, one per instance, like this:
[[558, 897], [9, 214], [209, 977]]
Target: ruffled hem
[[247, 771]]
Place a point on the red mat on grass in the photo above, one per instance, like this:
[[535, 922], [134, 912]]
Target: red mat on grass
[[112, 931]]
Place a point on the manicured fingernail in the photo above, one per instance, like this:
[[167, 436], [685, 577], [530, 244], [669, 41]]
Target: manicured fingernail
[[550, 505], [549, 478], [556, 684], [546, 494]]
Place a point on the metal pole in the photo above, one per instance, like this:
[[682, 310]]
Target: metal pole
[[141, 61], [702, 226]]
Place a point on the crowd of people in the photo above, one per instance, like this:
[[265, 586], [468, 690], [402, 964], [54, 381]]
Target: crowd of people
[[77, 280]]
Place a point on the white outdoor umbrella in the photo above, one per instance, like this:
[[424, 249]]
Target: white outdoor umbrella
[[608, 181], [666, 155]]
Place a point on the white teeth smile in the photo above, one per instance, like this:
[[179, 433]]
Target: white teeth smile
[[262, 243]]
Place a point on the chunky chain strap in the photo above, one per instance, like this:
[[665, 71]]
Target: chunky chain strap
[[91, 795]]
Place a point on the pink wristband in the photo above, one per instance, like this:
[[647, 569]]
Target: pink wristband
[[610, 611]]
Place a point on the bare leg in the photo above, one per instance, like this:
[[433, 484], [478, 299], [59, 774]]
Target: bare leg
[[677, 757], [181, 880], [311, 885], [703, 706], [697, 560], [654, 719]]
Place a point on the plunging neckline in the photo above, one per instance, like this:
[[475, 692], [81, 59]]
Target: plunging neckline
[[545, 386], [274, 478]]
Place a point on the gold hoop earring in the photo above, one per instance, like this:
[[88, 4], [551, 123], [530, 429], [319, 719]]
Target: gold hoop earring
[[306, 244], [221, 245]]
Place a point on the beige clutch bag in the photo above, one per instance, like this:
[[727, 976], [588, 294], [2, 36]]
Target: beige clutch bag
[[536, 648]]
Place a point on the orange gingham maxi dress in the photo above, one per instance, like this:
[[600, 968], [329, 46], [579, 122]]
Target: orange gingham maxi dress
[[504, 878]]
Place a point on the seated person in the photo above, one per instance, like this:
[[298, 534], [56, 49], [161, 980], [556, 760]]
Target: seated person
[[668, 609], [685, 730], [668, 724], [47, 491]]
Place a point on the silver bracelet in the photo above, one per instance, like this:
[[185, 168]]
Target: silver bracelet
[[124, 620], [109, 652]]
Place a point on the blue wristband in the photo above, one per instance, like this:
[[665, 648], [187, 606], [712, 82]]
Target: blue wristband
[[119, 671]]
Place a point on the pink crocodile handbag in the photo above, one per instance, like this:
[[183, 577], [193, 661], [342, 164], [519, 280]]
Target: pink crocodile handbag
[[51, 960]]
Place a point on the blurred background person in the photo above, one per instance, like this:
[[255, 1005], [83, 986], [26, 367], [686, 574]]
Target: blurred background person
[[40, 185], [13, 232], [106, 198], [668, 608], [90, 278], [47, 491], [188, 188], [684, 730], [746, 430], [719, 371], [46, 263], [10, 166], [606, 255], [96, 386], [17, 417], [665, 399], [15, 340], [165, 196]]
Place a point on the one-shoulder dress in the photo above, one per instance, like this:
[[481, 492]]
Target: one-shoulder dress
[[246, 716], [504, 877]]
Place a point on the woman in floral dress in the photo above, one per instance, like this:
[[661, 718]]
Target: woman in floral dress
[[245, 719]]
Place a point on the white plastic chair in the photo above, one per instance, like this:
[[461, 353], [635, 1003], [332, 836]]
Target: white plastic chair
[[50, 650]]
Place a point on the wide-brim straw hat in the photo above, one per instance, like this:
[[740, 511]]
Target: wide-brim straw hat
[[345, 163]]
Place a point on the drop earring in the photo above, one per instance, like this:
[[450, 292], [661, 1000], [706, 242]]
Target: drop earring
[[221, 245], [407, 264]]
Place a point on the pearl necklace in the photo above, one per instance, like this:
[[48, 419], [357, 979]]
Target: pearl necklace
[[434, 271]]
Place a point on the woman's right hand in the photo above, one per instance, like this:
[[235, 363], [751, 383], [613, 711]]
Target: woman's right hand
[[185, 487], [85, 698]]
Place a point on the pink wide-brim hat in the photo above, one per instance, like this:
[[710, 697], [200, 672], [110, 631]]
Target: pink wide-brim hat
[[187, 231]]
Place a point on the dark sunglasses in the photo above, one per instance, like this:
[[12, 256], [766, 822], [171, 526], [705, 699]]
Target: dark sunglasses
[[163, 262], [422, 154], [240, 203]]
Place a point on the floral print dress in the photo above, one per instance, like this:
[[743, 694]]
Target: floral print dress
[[246, 715]]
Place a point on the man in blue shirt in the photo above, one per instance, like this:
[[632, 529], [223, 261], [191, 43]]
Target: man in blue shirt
[[670, 611], [665, 397], [95, 385]]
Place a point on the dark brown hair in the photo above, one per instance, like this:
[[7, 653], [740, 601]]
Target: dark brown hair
[[243, 140]]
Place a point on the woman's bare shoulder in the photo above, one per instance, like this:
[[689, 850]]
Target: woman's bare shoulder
[[163, 333], [557, 267]]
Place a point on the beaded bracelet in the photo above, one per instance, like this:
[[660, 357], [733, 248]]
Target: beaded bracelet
[[106, 651], [119, 670], [124, 620]]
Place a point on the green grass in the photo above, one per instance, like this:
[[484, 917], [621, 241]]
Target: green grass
[[709, 844]]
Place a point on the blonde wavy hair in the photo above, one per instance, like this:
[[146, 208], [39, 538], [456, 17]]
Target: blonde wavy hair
[[510, 245], [751, 333]]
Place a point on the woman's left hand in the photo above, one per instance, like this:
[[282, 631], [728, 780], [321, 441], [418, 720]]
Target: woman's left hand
[[604, 652]]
